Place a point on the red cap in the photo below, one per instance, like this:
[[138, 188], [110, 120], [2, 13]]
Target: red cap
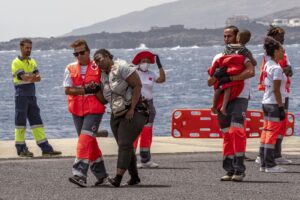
[[144, 54]]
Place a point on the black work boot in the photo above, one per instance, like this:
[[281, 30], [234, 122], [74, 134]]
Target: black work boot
[[115, 181]]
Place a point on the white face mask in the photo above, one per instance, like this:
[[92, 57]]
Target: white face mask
[[144, 67]]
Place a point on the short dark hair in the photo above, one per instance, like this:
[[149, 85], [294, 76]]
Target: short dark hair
[[245, 36], [275, 30], [25, 41], [103, 52], [78, 43], [270, 45], [234, 28]]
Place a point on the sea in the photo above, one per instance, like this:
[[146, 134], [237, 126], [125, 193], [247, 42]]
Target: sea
[[185, 87]]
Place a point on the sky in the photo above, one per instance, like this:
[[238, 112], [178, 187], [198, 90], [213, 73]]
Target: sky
[[51, 18]]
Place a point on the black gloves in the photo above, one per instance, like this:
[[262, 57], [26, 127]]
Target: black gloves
[[158, 61], [288, 71], [224, 79], [281, 113], [221, 71], [92, 88]]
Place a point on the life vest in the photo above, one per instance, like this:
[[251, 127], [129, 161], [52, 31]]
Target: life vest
[[235, 65], [263, 74], [82, 105]]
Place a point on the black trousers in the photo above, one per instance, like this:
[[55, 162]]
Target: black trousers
[[125, 133]]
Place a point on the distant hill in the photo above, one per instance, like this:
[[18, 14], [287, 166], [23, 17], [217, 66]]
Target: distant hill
[[165, 37], [191, 13], [284, 14]]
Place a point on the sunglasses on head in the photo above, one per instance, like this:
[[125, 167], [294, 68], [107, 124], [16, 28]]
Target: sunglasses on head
[[76, 54]]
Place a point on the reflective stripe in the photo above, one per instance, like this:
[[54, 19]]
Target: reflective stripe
[[240, 154], [20, 127], [17, 142], [77, 160], [41, 141], [39, 133], [78, 173], [270, 146], [18, 71], [37, 126], [228, 156], [272, 119], [280, 137], [225, 130], [22, 83], [87, 133], [237, 125], [100, 159], [145, 149]]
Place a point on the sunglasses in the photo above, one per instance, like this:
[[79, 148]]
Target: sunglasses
[[76, 54]]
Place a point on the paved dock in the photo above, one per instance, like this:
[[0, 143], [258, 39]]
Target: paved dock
[[291, 145], [189, 169]]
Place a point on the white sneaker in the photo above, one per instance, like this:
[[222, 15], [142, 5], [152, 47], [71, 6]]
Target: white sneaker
[[149, 164], [275, 169], [257, 160], [262, 169], [282, 160]]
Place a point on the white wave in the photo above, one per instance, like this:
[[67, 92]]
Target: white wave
[[292, 45], [195, 47], [169, 70], [175, 48], [46, 55], [8, 51], [142, 47]]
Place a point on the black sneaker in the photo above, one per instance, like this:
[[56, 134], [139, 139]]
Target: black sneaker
[[114, 181], [25, 153], [52, 153], [134, 181], [238, 177], [101, 181], [80, 181]]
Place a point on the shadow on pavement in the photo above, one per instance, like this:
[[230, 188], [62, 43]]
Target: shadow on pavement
[[147, 186], [132, 186], [264, 182], [196, 161], [291, 164], [166, 168]]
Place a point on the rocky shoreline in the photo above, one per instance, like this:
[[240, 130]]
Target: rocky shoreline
[[153, 38]]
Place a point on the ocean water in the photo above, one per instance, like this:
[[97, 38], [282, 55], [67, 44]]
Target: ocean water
[[186, 87]]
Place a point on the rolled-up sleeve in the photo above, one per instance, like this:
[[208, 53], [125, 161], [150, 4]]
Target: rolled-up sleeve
[[67, 79]]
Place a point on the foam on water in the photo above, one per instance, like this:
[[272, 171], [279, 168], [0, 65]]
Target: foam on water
[[142, 47]]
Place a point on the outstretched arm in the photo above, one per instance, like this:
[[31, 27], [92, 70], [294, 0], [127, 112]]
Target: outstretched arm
[[162, 74]]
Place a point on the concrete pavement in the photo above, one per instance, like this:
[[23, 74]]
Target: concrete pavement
[[181, 176], [189, 169], [291, 146]]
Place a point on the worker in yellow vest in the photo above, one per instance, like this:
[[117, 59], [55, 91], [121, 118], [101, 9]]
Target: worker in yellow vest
[[25, 74]]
